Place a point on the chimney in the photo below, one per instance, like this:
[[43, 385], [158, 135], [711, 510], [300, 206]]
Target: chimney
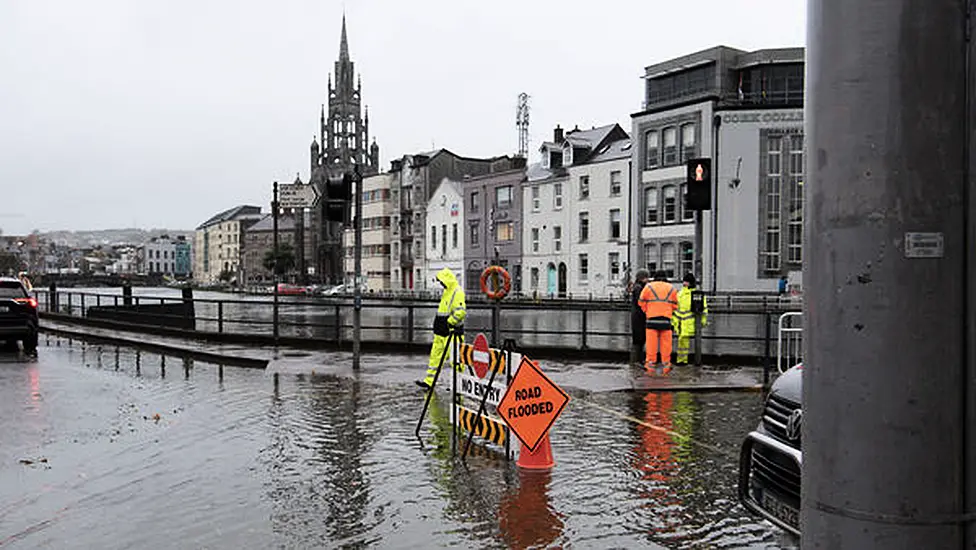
[[557, 134]]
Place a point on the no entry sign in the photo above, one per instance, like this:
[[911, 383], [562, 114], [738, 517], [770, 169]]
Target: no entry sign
[[481, 356], [531, 404]]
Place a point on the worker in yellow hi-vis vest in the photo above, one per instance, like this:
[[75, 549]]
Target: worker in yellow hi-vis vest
[[684, 318], [449, 320]]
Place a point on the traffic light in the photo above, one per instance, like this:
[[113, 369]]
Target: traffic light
[[338, 197], [699, 180]]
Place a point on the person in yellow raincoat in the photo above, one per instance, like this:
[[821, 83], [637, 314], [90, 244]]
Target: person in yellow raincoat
[[449, 320], [684, 320]]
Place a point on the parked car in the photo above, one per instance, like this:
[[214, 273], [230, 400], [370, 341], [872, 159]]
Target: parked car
[[770, 459], [18, 314]]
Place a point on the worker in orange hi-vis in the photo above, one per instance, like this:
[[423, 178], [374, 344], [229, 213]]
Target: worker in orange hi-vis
[[658, 300]]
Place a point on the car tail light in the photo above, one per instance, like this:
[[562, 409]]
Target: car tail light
[[31, 302]]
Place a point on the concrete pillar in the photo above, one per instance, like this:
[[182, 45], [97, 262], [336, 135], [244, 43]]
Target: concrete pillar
[[126, 294], [885, 386]]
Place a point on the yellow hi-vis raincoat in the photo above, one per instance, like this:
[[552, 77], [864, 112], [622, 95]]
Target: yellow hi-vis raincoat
[[449, 319], [683, 321]]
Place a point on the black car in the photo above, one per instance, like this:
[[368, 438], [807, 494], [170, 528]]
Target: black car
[[771, 458], [18, 314]]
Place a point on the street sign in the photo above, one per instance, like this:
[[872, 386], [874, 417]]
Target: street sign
[[481, 355], [296, 195], [531, 404]]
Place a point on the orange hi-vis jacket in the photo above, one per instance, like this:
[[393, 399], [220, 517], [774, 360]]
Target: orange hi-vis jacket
[[658, 300]]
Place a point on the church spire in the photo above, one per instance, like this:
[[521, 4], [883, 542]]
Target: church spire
[[343, 42]]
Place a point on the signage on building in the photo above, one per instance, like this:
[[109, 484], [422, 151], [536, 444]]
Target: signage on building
[[296, 195], [768, 117]]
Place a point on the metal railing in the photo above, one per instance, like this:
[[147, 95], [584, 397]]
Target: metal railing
[[789, 340], [738, 326]]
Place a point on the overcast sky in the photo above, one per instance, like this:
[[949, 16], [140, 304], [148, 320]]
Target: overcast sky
[[121, 113]]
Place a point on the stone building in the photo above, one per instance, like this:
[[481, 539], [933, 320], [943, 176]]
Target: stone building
[[259, 241], [342, 143], [217, 244]]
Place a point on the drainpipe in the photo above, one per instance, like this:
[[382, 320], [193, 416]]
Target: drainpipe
[[630, 217], [716, 123]]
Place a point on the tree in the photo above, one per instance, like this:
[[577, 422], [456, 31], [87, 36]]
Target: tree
[[286, 259], [226, 275]]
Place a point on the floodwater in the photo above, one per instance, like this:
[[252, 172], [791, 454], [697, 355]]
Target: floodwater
[[735, 333], [111, 448]]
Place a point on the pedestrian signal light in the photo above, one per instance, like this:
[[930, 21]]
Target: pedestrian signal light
[[699, 180]]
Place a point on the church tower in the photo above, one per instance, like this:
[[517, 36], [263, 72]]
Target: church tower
[[345, 133], [343, 142]]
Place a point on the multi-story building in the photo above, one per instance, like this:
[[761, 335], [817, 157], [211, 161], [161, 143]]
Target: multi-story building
[[217, 244], [493, 228], [445, 224], [599, 198], [574, 207], [744, 111], [415, 177], [166, 255], [377, 211], [258, 242], [343, 143]]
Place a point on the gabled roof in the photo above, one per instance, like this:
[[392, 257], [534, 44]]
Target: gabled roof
[[235, 213], [266, 223]]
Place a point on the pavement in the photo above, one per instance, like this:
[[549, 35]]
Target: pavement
[[579, 377]]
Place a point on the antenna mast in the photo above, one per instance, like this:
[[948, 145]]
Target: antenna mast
[[522, 124]]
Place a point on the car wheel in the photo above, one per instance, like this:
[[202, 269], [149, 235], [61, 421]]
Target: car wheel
[[30, 343]]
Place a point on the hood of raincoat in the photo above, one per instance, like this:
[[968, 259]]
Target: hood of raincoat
[[447, 277]]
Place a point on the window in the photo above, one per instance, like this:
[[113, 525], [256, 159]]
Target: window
[[454, 235], [615, 224], [535, 239], [444, 239], [670, 146], [536, 202], [584, 187], [650, 257], [584, 267], [503, 196], [650, 206], [687, 257], [614, 262], [504, 231], [535, 278], [474, 234], [687, 214], [794, 230], [652, 149], [771, 244], [615, 183], [474, 201], [584, 227], [689, 148], [557, 195], [668, 259], [433, 237], [557, 238], [670, 204]]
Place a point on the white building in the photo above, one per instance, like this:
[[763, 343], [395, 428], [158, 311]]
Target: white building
[[686, 103], [599, 210], [377, 212], [567, 213], [217, 244], [445, 242]]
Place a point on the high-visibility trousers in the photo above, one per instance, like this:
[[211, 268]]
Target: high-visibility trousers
[[684, 347], [436, 351], [658, 339]]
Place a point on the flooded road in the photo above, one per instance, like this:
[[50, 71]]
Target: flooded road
[[103, 447]]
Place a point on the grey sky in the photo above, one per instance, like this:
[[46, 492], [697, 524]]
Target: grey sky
[[116, 113]]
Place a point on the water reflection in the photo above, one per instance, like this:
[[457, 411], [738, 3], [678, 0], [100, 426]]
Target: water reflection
[[526, 516]]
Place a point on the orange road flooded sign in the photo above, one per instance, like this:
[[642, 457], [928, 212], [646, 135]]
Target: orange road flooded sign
[[531, 404]]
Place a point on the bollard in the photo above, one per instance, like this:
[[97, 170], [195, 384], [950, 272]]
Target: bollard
[[220, 316], [127, 294], [583, 345], [52, 298], [189, 309]]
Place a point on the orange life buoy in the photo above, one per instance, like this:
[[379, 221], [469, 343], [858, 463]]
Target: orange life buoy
[[502, 290]]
